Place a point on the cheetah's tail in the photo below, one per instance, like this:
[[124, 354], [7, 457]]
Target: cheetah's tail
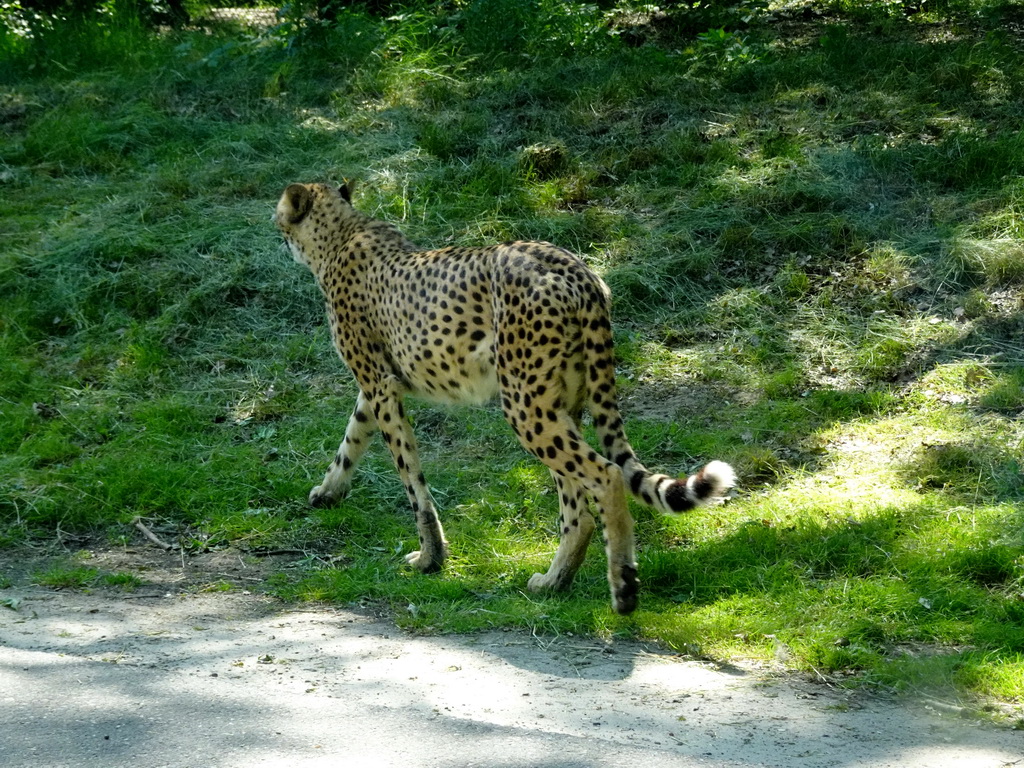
[[674, 495], [664, 493]]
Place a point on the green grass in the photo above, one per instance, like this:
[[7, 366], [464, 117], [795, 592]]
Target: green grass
[[812, 227], [72, 575]]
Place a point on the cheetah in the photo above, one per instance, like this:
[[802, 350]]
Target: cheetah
[[526, 322]]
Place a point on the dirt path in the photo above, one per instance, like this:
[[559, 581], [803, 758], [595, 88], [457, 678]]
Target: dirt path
[[179, 678]]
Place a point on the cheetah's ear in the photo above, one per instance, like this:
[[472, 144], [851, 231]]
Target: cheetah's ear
[[345, 190], [298, 200]]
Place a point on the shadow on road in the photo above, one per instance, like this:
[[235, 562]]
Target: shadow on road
[[228, 679]]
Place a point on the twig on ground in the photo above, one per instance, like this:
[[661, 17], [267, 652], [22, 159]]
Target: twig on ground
[[137, 522], [945, 706], [142, 597], [275, 552]]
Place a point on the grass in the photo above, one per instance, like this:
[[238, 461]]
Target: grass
[[71, 575], [811, 225]]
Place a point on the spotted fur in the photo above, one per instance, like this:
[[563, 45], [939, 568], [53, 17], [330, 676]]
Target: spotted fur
[[527, 322]]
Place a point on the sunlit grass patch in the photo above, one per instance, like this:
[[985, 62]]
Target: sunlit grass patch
[[995, 261], [1005, 390]]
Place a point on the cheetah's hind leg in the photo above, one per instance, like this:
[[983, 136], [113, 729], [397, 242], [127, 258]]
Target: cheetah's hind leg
[[576, 526]]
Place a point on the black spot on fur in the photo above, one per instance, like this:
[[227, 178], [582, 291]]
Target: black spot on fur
[[677, 498], [702, 487]]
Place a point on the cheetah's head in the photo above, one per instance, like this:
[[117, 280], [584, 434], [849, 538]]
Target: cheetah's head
[[304, 210]]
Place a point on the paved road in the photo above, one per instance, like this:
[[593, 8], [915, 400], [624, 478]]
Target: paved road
[[239, 680]]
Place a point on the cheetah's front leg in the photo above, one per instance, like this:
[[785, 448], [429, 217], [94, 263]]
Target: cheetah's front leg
[[336, 483]]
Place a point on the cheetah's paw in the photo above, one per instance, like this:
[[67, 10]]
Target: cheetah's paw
[[424, 561], [539, 582], [319, 498]]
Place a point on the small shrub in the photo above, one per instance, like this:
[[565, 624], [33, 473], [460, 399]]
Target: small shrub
[[1006, 391], [544, 161], [67, 577]]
